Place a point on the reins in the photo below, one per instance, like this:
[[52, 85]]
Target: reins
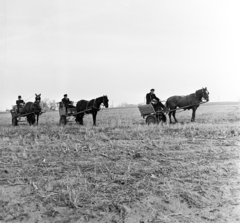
[[202, 102], [90, 108], [29, 98], [34, 112]]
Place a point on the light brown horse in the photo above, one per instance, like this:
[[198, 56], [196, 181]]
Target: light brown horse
[[191, 101]]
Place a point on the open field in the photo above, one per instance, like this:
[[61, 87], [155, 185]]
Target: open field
[[122, 170]]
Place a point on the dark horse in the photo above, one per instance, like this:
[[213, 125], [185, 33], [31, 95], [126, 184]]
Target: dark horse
[[191, 101], [32, 109], [90, 107]]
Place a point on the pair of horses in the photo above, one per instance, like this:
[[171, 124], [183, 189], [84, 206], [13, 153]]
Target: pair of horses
[[191, 101], [32, 109]]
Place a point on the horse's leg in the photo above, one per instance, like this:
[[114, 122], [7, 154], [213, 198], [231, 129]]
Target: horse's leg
[[174, 113], [164, 118], [170, 119], [76, 119], [28, 120], [94, 115], [81, 119], [193, 114], [33, 119]]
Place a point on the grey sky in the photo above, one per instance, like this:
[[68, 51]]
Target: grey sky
[[121, 48]]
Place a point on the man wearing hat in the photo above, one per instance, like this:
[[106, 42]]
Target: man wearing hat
[[67, 103], [150, 96], [19, 103]]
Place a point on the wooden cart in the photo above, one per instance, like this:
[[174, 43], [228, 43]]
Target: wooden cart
[[150, 115], [18, 117], [68, 116]]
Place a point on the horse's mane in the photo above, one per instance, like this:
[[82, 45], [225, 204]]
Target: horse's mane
[[198, 92]]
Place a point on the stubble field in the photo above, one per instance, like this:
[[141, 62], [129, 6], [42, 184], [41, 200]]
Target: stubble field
[[122, 170]]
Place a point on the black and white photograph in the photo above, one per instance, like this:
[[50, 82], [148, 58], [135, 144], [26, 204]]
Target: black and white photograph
[[120, 111]]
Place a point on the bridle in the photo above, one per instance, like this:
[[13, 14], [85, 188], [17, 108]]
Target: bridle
[[205, 94], [94, 102]]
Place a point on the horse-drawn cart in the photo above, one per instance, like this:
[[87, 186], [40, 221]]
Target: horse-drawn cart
[[66, 115], [70, 114], [23, 116], [18, 117], [150, 115]]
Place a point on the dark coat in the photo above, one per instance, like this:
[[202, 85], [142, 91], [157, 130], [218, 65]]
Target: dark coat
[[18, 102], [150, 97], [66, 102]]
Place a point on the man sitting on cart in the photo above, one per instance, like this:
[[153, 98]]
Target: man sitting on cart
[[67, 103], [20, 103], [151, 98]]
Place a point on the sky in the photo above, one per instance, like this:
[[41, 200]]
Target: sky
[[122, 49]]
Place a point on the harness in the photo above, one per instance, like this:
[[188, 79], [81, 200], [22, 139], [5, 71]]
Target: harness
[[94, 104]]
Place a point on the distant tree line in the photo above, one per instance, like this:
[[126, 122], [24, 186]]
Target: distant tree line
[[125, 104], [48, 104]]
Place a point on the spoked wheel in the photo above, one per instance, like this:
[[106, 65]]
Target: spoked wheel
[[63, 120], [14, 121], [151, 119]]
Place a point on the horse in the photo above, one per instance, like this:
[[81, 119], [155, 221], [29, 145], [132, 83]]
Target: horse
[[32, 109], [90, 107], [191, 101]]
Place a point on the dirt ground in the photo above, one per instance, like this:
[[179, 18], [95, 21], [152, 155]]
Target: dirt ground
[[122, 170]]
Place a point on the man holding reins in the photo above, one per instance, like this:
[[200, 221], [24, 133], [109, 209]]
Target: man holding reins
[[67, 103], [152, 98]]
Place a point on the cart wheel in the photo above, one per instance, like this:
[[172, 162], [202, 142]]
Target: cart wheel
[[151, 119], [14, 121], [63, 120]]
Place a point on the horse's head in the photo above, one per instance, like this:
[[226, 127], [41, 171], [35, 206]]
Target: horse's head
[[105, 101], [38, 98], [205, 94], [36, 105]]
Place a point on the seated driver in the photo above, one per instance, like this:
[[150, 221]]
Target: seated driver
[[20, 103], [67, 103], [152, 98]]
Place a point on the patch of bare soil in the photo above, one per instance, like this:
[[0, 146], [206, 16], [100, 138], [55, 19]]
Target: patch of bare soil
[[128, 174]]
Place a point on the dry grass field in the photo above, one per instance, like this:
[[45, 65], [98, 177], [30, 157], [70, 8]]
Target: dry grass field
[[122, 170]]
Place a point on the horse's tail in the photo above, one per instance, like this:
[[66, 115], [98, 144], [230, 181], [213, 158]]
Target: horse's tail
[[78, 109], [167, 106]]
